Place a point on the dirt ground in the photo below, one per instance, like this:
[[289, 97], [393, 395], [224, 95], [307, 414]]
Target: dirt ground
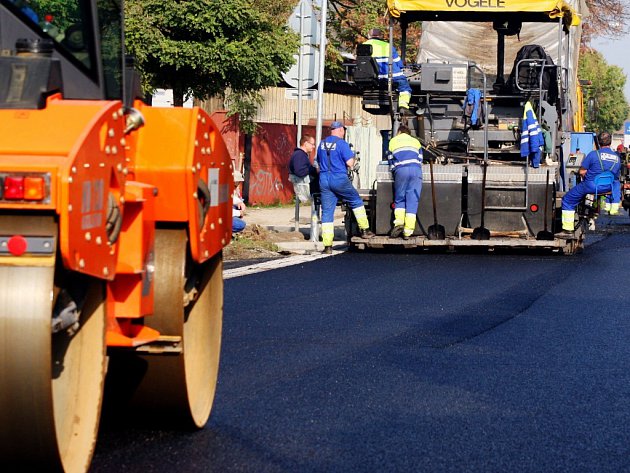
[[256, 242]]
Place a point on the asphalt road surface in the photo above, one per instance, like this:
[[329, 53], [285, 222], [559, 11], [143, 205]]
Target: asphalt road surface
[[414, 363]]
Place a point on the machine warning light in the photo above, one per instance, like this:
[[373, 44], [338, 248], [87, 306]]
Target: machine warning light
[[533, 207], [14, 188], [27, 187], [34, 188]]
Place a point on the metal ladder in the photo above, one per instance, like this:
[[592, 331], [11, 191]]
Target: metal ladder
[[502, 187]]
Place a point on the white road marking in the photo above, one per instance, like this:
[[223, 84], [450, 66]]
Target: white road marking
[[273, 264]]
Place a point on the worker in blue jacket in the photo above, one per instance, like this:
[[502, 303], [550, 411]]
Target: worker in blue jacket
[[595, 163], [406, 165], [335, 157], [380, 52]]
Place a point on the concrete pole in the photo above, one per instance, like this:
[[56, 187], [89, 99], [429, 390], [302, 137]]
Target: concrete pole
[[300, 74], [299, 113], [322, 62], [320, 110]]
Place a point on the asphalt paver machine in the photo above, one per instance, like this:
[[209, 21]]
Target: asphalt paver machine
[[480, 66], [113, 216]]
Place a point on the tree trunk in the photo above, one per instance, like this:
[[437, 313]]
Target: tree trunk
[[178, 96]]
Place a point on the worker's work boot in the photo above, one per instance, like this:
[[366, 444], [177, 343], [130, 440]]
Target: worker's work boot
[[396, 231], [327, 250], [366, 233]]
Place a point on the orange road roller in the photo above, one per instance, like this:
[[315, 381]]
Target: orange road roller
[[113, 216]]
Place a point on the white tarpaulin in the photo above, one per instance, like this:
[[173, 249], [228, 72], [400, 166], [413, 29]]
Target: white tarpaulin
[[450, 41], [453, 42]]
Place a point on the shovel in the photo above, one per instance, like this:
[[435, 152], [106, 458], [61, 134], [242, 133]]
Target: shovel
[[435, 231], [482, 233], [545, 234]]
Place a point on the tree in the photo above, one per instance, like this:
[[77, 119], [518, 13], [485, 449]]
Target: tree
[[606, 92], [608, 18], [205, 48], [63, 13]]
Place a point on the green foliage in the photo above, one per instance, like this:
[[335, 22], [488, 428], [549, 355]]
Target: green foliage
[[205, 47], [610, 105], [349, 23], [245, 104], [64, 12]]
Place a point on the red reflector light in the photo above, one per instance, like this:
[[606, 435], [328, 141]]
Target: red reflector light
[[16, 245], [533, 207], [14, 188], [34, 188]]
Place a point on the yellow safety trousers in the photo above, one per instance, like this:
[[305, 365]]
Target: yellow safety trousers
[[403, 99], [361, 216], [410, 224], [568, 220], [328, 233], [399, 217]]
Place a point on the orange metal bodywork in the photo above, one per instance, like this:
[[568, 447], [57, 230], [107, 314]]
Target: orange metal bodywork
[[154, 175], [72, 140], [176, 148]]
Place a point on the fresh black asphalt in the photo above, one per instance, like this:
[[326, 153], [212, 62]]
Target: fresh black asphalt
[[377, 362]]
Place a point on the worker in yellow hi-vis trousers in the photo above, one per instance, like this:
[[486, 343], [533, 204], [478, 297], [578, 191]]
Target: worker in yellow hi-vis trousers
[[335, 158]]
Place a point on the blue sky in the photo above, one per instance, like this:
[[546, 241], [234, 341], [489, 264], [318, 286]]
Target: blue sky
[[616, 52]]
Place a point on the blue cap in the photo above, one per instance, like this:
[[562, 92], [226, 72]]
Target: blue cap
[[335, 125]]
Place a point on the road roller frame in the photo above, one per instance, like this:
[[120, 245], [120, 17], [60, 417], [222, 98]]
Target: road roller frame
[[113, 216]]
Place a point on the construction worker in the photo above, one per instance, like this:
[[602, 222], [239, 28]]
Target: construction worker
[[380, 52], [238, 206], [406, 165], [335, 157], [595, 163]]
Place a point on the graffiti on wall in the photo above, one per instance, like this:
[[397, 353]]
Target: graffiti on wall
[[264, 183], [272, 147], [282, 145]]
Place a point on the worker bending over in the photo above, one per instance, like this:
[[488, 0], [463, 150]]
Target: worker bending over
[[335, 158], [595, 163], [406, 165]]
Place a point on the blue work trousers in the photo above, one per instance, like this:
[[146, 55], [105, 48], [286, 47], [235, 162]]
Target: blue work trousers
[[407, 188], [334, 186], [238, 224], [402, 84], [572, 198]]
